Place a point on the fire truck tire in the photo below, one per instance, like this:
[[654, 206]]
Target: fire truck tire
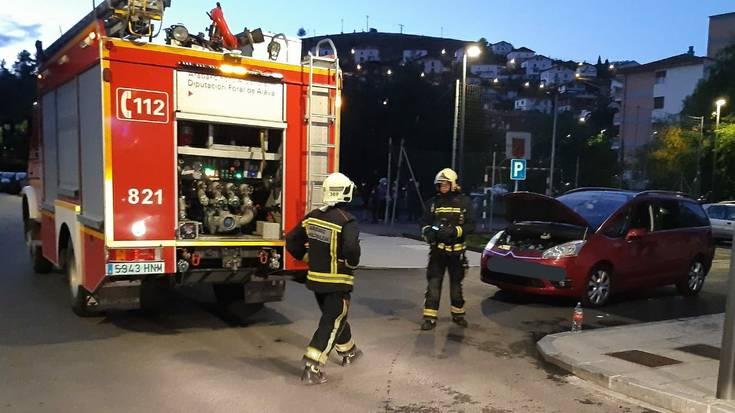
[[40, 264], [77, 292]]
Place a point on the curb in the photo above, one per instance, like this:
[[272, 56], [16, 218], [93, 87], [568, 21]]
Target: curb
[[669, 400]]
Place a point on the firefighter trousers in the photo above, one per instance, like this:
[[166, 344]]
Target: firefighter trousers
[[333, 331], [440, 262]]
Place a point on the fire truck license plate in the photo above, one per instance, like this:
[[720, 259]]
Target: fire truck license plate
[[135, 268]]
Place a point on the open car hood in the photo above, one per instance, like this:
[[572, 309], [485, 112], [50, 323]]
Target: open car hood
[[528, 206]]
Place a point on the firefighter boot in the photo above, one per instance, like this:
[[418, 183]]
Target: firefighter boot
[[429, 324], [460, 320], [313, 375], [350, 356]]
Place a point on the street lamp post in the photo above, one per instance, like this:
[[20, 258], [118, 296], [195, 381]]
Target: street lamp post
[[718, 104], [471, 51], [698, 187]]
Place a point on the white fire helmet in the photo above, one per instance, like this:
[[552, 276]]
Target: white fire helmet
[[447, 175], [337, 189]]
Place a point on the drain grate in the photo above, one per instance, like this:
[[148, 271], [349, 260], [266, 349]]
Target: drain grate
[[702, 350], [644, 358]]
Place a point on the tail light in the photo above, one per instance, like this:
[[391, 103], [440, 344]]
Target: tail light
[[131, 254]]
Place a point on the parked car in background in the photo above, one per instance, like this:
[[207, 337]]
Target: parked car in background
[[17, 183], [6, 180], [592, 243], [722, 217]]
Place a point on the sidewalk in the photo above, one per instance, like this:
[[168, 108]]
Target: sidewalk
[[380, 252], [671, 364]]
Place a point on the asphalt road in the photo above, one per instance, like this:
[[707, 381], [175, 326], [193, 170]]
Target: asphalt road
[[193, 358]]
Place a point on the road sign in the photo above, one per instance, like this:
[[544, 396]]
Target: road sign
[[518, 169], [517, 145]]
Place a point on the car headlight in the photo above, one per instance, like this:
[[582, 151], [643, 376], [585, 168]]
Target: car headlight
[[569, 249], [494, 240]]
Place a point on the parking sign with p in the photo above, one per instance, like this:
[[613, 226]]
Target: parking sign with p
[[518, 169]]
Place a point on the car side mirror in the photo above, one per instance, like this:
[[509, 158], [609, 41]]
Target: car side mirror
[[635, 234]]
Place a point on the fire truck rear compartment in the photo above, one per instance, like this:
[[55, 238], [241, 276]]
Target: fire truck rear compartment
[[230, 180]]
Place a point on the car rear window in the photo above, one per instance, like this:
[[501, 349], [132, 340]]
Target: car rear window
[[692, 215], [595, 206]]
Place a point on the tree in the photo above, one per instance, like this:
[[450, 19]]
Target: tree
[[719, 84], [18, 89], [301, 32], [726, 159], [672, 159]]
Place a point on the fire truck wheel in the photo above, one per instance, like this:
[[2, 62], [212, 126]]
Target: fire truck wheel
[[77, 292], [40, 264], [227, 294]]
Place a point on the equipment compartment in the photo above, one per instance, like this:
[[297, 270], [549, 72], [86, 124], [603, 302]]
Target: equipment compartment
[[229, 178]]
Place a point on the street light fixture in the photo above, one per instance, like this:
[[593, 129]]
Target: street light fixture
[[471, 51]]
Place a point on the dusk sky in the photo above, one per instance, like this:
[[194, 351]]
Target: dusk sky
[[642, 30]]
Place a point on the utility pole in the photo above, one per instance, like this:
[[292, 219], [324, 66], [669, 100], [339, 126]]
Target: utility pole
[[387, 191], [367, 23], [464, 115], [401, 27], [342, 21], [553, 145], [396, 192]]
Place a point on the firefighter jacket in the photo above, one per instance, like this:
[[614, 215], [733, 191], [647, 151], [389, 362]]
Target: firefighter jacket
[[329, 241], [446, 222]]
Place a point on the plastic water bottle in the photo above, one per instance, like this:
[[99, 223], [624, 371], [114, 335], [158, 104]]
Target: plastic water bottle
[[577, 318]]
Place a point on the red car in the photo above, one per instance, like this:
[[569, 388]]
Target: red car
[[591, 243]]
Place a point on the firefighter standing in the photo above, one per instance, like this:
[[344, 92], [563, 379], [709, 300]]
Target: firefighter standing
[[328, 239], [445, 224]]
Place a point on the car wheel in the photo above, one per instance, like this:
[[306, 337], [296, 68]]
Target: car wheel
[[40, 264], [598, 287], [694, 281], [78, 294]]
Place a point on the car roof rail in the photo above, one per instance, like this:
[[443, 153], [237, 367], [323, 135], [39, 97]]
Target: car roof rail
[[595, 188], [661, 192]]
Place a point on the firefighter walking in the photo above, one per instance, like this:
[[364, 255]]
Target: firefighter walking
[[328, 239], [446, 222]]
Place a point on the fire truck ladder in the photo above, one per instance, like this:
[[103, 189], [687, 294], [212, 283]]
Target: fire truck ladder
[[322, 106]]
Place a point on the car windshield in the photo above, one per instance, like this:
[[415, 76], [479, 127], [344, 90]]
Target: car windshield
[[595, 206]]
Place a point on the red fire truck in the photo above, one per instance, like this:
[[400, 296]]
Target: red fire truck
[[173, 164]]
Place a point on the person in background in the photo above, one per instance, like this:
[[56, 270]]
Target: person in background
[[446, 222]]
